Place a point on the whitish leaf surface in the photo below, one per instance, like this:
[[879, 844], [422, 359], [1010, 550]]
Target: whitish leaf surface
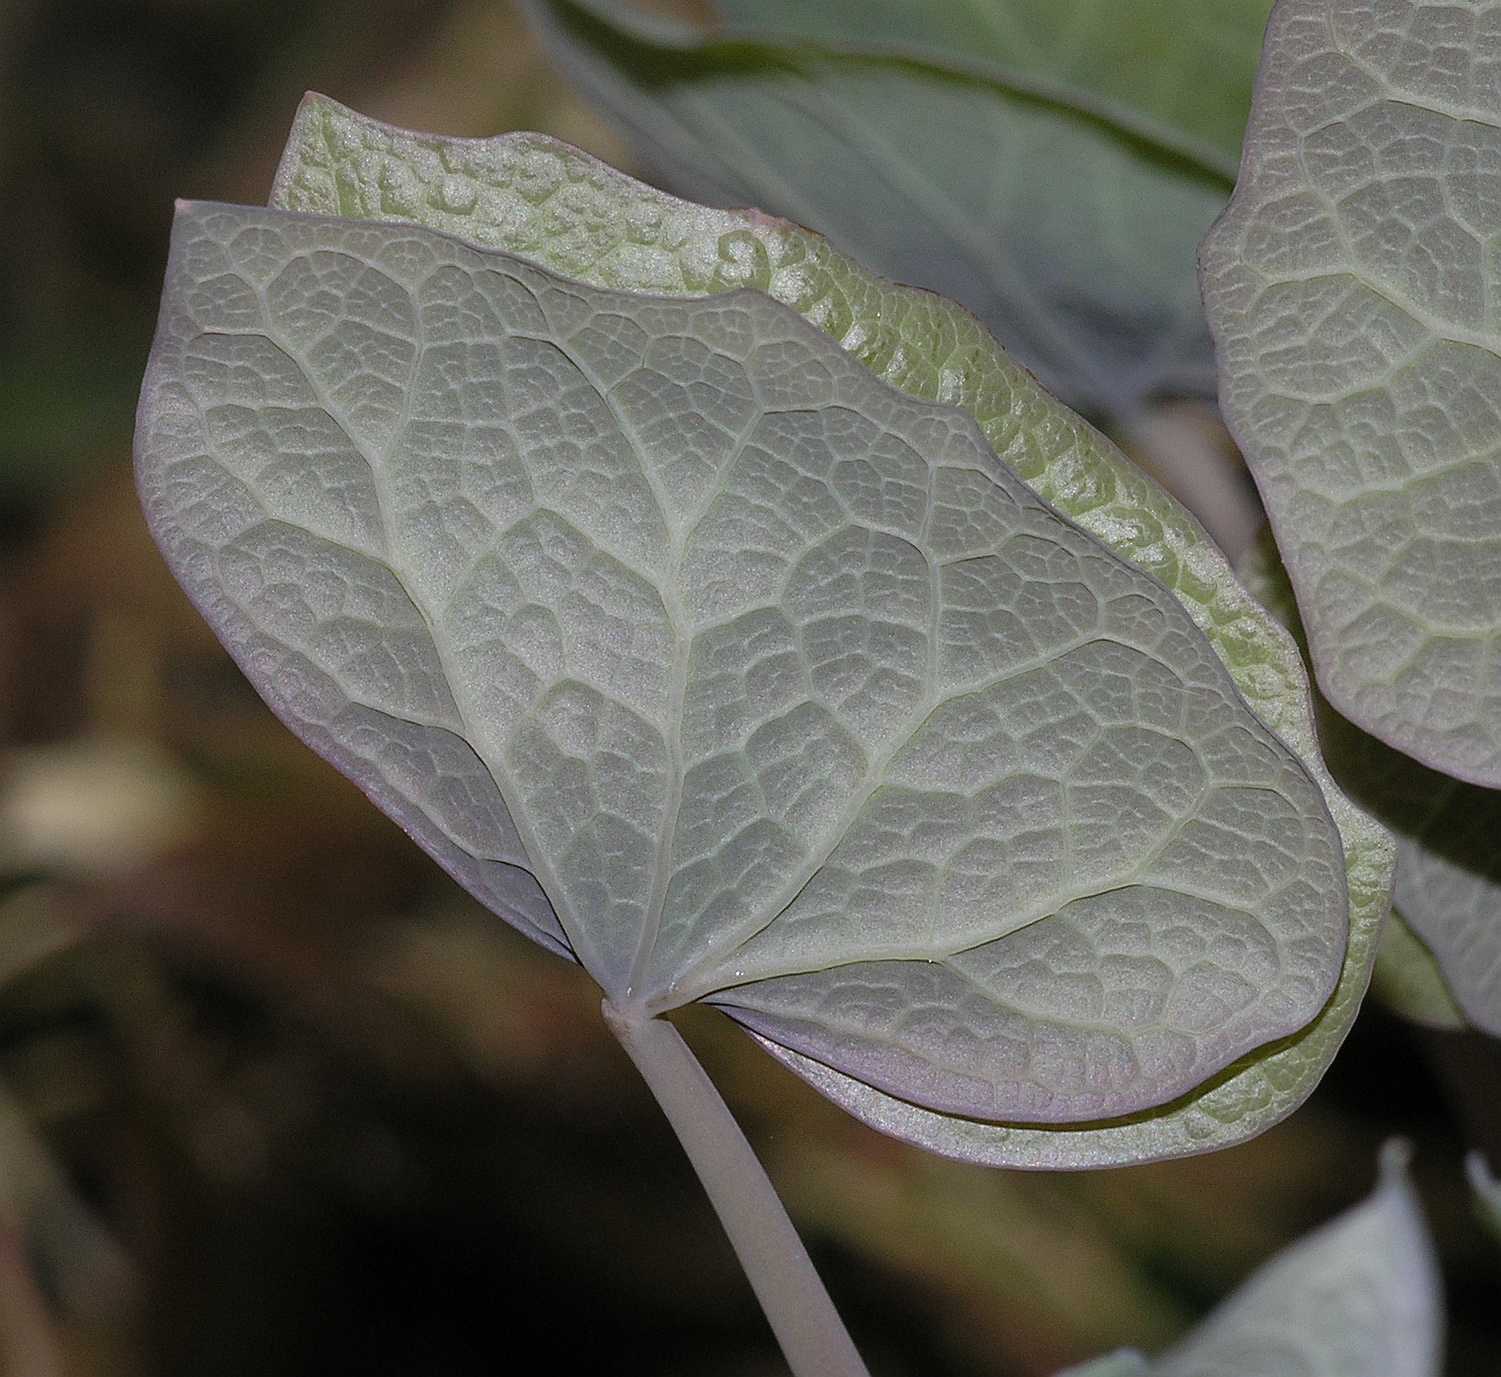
[[702, 654], [1351, 288], [1358, 1298], [1066, 216], [536, 196], [1447, 886]]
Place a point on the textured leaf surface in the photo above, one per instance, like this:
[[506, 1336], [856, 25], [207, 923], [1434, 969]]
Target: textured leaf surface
[[1447, 886], [536, 196], [1358, 1298], [698, 651], [1065, 216], [1351, 288]]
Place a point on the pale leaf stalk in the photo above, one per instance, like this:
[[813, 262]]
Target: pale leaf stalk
[[813, 1337]]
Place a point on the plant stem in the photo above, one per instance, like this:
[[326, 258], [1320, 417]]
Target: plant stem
[[813, 1337]]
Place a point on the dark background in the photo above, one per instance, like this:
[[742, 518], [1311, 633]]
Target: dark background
[[274, 1097]]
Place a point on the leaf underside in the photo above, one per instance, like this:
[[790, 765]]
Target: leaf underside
[[700, 653], [1350, 287], [530, 193], [533, 195]]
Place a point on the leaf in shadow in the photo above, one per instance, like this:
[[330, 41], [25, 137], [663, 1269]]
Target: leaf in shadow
[[1015, 174]]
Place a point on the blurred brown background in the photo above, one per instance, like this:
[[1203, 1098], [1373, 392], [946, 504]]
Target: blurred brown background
[[274, 1097]]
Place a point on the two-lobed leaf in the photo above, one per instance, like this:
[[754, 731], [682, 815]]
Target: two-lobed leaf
[[1351, 289], [705, 656], [531, 194]]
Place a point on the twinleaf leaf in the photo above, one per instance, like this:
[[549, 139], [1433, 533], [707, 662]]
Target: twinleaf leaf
[[1361, 1295], [533, 195], [1007, 164], [700, 653], [1351, 291]]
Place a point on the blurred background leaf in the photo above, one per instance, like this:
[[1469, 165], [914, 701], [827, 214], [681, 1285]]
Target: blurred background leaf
[[1052, 166]]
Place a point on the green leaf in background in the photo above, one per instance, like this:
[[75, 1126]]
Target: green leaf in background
[[1359, 1296], [1447, 885], [1008, 155], [535, 196], [1410, 982], [1351, 288], [703, 655], [1178, 73]]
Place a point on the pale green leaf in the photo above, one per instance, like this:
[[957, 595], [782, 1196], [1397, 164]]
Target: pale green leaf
[[1352, 292], [1360, 1297], [1066, 218], [1447, 887], [705, 656], [1409, 981], [1243, 1100], [536, 196]]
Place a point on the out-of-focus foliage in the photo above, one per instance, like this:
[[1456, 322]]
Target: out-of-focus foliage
[[1050, 165]]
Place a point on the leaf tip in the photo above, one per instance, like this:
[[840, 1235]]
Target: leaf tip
[[1393, 1161]]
